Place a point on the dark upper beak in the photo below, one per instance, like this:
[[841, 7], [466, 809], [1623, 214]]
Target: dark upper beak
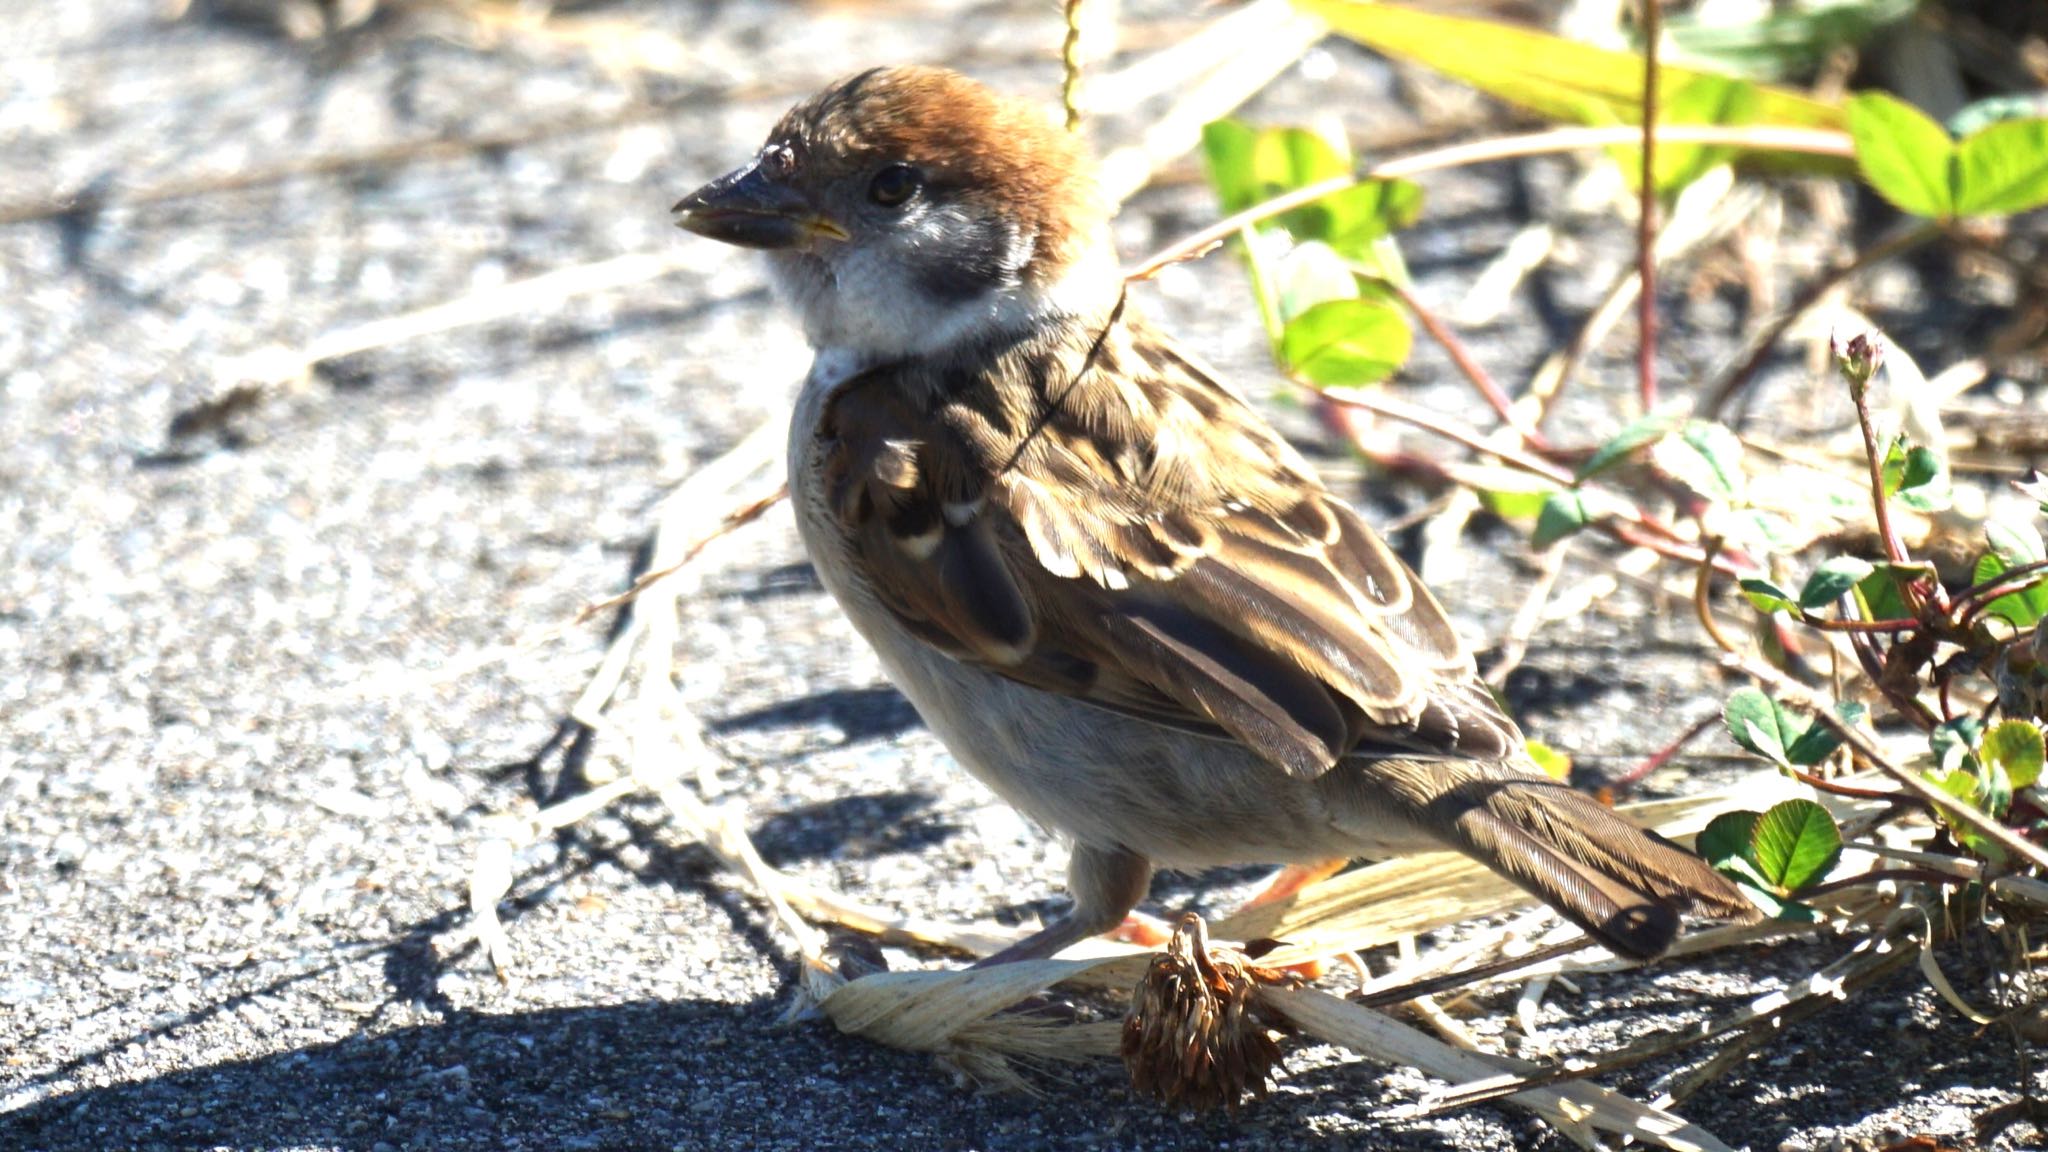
[[753, 210]]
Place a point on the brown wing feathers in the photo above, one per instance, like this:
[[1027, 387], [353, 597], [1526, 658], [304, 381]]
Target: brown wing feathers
[[1619, 883], [1269, 612]]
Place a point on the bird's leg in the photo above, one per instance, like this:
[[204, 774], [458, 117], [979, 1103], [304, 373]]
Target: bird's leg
[[1294, 878], [1106, 884]]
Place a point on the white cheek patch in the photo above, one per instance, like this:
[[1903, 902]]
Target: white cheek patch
[[916, 296]]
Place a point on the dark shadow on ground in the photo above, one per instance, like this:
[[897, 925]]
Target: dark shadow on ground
[[643, 1075], [853, 828], [860, 713]]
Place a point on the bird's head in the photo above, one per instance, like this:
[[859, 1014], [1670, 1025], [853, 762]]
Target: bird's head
[[905, 210]]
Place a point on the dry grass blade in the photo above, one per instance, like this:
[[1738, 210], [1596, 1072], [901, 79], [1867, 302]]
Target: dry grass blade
[[1577, 1109], [1272, 37], [971, 1017], [245, 382]]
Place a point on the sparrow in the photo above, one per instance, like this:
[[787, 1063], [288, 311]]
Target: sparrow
[[1112, 590]]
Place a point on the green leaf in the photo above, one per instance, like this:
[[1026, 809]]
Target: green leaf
[[1508, 493], [2014, 545], [1818, 741], [1760, 724], [1926, 487], [2015, 746], [1915, 477], [1311, 274], [2015, 542], [2024, 606], [2003, 169], [1995, 787], [1227, 148], [1284, 159], [1726, 837], [1951, 742], [1773, 732], [1879, 595], [1832, 581], [1960, 783], [1705, 457], [1555, 764], [1904, 154], [1795, 844], [1568, 511], [1647, 430], [1966, 786], [1767, 597], [1361, 214], [1346, 342]]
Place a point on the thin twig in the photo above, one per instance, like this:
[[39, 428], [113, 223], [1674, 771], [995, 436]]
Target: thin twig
[[1646, 223], [1877, 955], [1429, 421], [1815, 142], [1976, 598], [1702, 605], [739, 517], [1630, 526], [1873, 456], [1761, 345], [1514, 643]]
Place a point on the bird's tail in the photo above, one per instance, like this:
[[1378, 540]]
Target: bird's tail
[[1620, 883]]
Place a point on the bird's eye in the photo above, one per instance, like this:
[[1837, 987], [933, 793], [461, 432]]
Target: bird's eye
[[895, 185]]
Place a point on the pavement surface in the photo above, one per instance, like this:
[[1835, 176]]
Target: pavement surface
[[263, 684]]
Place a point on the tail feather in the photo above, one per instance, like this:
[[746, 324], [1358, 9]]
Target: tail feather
[[1620, 883]]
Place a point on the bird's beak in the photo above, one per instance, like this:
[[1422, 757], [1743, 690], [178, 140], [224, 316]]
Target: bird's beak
[[749, 208]]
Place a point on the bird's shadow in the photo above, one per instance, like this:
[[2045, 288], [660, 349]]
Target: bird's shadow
[[690, 1073], [858, 713]]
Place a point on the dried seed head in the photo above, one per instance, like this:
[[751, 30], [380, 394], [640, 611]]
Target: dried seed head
[[1859, 358], [1195, 1034]]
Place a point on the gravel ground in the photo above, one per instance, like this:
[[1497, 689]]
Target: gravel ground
[[251, 741]]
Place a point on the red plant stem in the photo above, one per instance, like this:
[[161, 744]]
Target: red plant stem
[[1894, 546], [1636, 775], [1646, 223], [1430, 422], [1883, 627], [1631, 532], [1978, 597], [1460, 356], [1819, 784]]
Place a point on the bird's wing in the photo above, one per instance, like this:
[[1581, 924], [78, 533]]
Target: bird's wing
[[1134, 535]]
